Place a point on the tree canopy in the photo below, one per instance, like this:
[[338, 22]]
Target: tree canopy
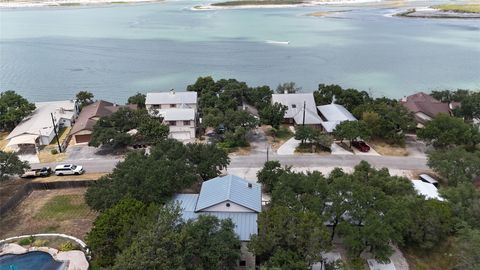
[[447, 131], [170, 167], [350, 98], [352, 130], [288, 87], [13, 108], [10, 165], [273, 114], [84, 98], [113, 130], [455, 165], [138, 99]]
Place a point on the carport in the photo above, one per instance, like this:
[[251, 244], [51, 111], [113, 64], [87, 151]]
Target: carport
[[24, 143]]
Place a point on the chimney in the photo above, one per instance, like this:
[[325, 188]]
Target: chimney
[[172, 91], [285, 91]]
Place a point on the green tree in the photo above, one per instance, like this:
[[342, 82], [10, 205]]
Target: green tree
[[259, 97], [351, 131], [470, 107], [270, 174], [455, 165], [210, 243], [431, 222], [152, 130], [13, 108], [154, 178], [208, 160], [350, 98], [10, 165], [306, 133], [394, 120], [446, 131], [84, 98], [138, 99], [113, 130], [467, 247], [159, 246], [273, 115], [288, 87], [282, 230], [114, 229], [464, 200]]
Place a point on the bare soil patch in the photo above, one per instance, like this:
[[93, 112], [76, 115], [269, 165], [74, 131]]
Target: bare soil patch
[[10, 187], [3, 140], [283, 135], [60, 211], [385, 149], [56, 178]]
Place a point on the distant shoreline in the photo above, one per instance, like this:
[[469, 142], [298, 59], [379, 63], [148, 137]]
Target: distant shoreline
[[254, 4], [68, 3], [436, 13]]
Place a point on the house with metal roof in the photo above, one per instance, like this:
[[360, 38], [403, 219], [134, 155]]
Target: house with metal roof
[[227, 197], [301, 108], [39, 127], [178, 110], [332, 115]]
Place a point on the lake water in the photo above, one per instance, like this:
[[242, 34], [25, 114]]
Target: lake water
[[115, 51]]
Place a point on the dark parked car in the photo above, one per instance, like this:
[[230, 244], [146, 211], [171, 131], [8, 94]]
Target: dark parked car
[[43, 172], [361, 145]]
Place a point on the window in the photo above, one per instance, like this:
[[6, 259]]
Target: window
[[156, 106], [242, 263], [186, 123], [173, 105], [172, 123], [294, 106], [228, 204]]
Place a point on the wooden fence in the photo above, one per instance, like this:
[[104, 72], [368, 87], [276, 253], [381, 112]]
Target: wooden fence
[[22, 193]]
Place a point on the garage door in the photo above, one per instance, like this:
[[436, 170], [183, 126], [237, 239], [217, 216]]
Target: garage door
[[83, 138], [181, 136]]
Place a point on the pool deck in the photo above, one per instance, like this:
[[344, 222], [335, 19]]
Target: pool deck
[[76, 259]]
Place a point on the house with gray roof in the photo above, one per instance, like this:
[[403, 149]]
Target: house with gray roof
[[297, 104], [227, 197], [178, 110], [332, 115]]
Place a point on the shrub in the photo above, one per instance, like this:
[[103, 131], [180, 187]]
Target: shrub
[[66, 246], [26, 241], [39, 243], [54, 151]]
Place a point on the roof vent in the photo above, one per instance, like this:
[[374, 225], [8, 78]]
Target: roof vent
[[228, 204], [250, 185]]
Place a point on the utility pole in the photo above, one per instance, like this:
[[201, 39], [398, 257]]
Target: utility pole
[[304, 107], [267, 151], [56, 134]]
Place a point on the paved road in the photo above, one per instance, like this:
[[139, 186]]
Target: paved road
[[257, 160]]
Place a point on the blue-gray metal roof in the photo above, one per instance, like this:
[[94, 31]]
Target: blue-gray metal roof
[[245, 223], [230, 188]]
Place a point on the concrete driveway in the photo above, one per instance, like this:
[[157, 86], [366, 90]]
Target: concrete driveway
[[288, 148], [85, 152], [338, 150], [415, 147]]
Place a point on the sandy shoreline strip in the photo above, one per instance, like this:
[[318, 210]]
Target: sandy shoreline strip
[[306, 4], [68, 3]]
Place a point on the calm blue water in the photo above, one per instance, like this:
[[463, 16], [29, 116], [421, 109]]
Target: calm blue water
[[35, 260], [115, 51]]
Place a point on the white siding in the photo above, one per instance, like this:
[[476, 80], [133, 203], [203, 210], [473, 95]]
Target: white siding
[[222, 207]]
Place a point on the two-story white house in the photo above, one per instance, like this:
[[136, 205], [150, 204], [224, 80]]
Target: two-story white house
[[228, 197], [178, 110]]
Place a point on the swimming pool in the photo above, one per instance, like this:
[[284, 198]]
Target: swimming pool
[[34, 260]]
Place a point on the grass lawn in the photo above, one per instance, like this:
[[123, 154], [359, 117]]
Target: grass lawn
[[466, 8], [62, 207], [47, 211], [385, 149]]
